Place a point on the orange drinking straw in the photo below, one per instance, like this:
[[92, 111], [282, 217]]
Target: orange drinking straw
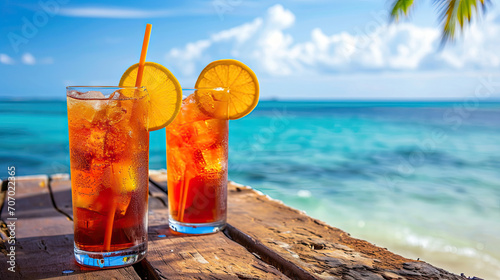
[[111, 215], [142, 60], [109, 226], [184, 193]]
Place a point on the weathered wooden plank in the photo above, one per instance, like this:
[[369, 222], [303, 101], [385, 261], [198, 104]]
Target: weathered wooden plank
[[156, 200], [156, 190], [271, 257], [159, 195], [211, 256], [159, 179], [3, 191], [34, 210], [60, 189], [3, 226], [319, 249], [44, 239]]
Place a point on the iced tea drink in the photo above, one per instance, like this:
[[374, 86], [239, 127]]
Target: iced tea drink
[[197, 144], [109, 144]]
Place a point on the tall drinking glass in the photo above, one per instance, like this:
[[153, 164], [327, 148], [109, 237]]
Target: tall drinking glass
[[109, 143], [197, 142]]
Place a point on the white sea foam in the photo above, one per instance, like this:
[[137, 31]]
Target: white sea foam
[[304, 193]]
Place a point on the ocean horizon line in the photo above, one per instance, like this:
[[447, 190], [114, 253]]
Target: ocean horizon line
[[297, 100]]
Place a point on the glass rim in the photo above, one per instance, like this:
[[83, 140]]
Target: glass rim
[[142, 92], [108, 87], [206, 88]]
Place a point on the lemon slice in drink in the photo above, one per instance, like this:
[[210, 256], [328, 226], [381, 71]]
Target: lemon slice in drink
[[165, 92], [235, 78]]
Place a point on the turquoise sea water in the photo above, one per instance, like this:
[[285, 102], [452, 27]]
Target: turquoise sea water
[[421, 179]]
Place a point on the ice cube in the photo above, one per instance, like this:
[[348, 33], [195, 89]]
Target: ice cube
[[124, 182], [176, 164], [206, 134], [190, 110], [214, 158], [91, 94], [93, 105], [115, 95], [73, 93], [96, 142], [187, 133], [106, 186], [130, 179], [116, 114], [198, 159], [89, 109], [89, 188]]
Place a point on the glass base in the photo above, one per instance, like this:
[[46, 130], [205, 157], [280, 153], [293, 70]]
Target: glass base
[[111, 259], [188, 228]]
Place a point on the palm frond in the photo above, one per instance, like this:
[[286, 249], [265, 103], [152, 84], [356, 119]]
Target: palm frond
[[457, 13], [400, 8]]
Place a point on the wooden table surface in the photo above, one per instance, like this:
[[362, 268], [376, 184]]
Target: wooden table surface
[[264, 239]]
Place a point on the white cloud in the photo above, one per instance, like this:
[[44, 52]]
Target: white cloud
[[186, 59], [481, 47], [28, 58], [5, 59], [395, 47], [99, 12], [267, 46], [240, 33], [280, 18]]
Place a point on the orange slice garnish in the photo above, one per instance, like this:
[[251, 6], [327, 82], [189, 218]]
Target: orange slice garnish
[[230, 82]]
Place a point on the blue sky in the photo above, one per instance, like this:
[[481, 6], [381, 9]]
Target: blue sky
[[298, 49]]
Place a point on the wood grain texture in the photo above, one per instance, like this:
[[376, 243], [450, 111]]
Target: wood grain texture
[[321, 250], [44, 239], [213, 256], [60, 188], [157, 195], [34, 210], [159, 178], [158, 188], [3, 192], [3, 226]]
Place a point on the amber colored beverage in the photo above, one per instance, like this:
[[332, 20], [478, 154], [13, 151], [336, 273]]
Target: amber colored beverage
[[197, 146], [109, 144]]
